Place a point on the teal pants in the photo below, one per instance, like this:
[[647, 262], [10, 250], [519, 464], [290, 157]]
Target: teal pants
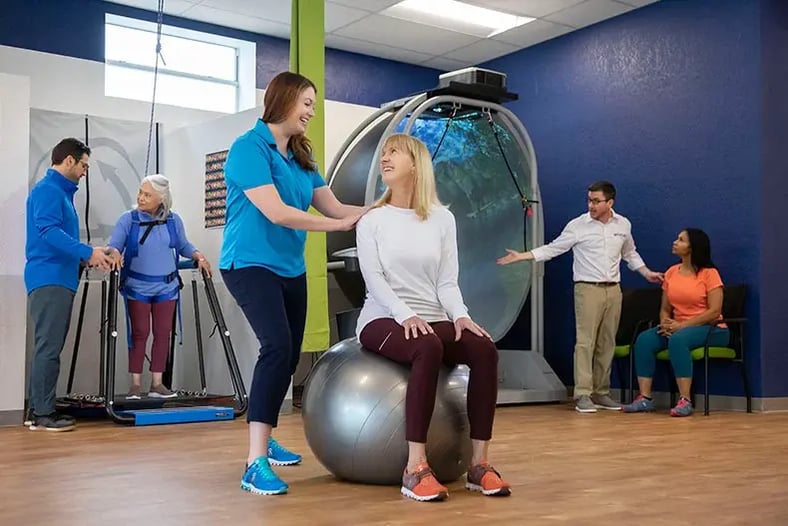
[[649, 343]]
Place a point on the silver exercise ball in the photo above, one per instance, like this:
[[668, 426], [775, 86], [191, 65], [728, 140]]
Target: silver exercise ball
[[353, 408]]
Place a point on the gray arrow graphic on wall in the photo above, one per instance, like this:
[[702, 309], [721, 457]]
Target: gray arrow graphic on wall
[[38, 171], [110, 173]]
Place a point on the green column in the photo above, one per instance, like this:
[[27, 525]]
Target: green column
[[307, 57]]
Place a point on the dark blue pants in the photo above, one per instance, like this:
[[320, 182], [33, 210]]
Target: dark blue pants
[[275, 307], [50, 310]]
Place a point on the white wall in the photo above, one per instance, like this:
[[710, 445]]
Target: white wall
[[14, 144], [76, 86]]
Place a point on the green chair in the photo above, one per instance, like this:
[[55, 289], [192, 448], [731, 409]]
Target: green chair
[[639, 312], [733, 305]]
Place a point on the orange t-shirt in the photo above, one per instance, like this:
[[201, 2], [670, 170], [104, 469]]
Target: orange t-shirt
[[689, 295]]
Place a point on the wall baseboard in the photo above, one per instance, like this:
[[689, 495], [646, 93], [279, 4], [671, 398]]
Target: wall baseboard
[[12, 417]]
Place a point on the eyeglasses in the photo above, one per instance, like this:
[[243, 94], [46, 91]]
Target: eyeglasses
[[597, 201], [81, 162]]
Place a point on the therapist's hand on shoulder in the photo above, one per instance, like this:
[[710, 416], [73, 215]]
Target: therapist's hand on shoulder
[[347, 223], [465, 323]]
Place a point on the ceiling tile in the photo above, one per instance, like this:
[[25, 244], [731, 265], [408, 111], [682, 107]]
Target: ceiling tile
[[534, 8], [339, 16], [445, 64], [533, 33], [375, 50], [589, 12], [243, 22], [275, 10], [372, 6], [481, 51], [171, 7], [638, 3], [408, 35]]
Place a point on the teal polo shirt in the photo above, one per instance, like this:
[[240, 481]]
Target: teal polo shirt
[[250, 238]]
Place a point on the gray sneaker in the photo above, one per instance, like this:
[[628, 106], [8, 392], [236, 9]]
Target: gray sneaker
[[52, 422], [585, 405], [135, 393], [160, 391], [605, 402]]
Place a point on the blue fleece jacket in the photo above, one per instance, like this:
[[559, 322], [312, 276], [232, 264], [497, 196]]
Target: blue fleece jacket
[[53, 249]]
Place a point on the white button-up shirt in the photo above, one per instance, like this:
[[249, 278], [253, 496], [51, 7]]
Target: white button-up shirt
[[597, 248]]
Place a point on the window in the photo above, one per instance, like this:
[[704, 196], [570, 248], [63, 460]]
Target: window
[[196, 70]]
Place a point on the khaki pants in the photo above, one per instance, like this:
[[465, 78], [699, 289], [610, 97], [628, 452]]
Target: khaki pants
[[597, 312]]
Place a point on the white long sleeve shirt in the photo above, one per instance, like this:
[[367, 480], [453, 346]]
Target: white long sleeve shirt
[[597, 248], [410, 266]]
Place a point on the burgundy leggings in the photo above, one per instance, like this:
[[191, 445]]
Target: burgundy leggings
[[426, 354], [141, 314]]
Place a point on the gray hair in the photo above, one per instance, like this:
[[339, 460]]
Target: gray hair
[[161, 185]]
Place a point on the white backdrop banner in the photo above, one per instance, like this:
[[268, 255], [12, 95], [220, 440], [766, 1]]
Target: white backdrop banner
[[117, 165]]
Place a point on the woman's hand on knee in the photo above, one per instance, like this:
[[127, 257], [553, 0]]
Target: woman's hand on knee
[[466, 323], [415, 325], [669, 327]]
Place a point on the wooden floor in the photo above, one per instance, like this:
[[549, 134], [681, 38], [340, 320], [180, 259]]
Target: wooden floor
[[565, 468]]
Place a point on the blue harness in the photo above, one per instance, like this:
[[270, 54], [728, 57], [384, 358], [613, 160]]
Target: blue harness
[[131, 251]]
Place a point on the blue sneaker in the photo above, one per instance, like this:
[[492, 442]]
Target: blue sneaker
[[640, 405], [260, 479], [683, 408], [279, 456]]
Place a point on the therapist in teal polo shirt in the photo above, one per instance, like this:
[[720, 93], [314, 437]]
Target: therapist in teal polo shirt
[[271, 182]]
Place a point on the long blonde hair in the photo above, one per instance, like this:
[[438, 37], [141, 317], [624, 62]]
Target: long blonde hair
[[425, 195]]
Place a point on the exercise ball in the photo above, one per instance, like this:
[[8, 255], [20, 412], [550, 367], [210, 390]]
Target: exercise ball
[[353, 409]]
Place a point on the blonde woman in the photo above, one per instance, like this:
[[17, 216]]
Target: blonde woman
[[414, 312], [152, 238]]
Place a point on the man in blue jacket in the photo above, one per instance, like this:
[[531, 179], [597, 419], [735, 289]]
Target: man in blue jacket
[[54, 257]]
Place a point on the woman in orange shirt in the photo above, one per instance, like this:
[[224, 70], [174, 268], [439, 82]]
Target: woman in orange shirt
[[691, 301]]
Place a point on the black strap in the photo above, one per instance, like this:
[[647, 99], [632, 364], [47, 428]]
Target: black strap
[[150, 225]]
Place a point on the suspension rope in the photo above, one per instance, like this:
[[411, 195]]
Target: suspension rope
[[526, 202], [454, 109], [159, 22]]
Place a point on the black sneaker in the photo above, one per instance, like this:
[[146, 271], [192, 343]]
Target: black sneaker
[[53, 422], [28, 418]]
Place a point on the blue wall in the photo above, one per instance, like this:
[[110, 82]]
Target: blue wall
[[774, 235], [75, 28], [665, 102]]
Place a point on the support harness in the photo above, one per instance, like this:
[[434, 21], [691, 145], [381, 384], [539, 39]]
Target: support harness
[[131, 250]]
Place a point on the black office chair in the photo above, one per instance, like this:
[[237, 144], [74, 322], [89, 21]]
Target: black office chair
[[639, 312]]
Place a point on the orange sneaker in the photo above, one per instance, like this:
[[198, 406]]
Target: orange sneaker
[[482, 477], [422, 485]]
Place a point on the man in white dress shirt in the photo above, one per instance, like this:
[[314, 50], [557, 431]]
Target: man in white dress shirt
[[599, 241]]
